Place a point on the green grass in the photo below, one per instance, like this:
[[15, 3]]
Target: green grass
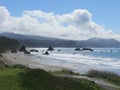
[[2, 65], [19, 77], [36, 79], [64, 72], [109, 76], [19, 66], [10, 71], [10, 80]]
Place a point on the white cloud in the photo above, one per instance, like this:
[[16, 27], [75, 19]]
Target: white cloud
[[77, 25], [4, 14]]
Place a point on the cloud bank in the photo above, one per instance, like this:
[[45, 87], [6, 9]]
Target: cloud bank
[[77, 25]]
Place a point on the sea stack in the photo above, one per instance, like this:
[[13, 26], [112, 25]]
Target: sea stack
[[22, 48], [77, 49], [87, 49], [50, 48]]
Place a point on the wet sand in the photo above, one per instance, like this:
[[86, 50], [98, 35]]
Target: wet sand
[[27, 60]]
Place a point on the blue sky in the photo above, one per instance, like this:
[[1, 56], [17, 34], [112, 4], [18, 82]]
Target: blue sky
[[104, 12]]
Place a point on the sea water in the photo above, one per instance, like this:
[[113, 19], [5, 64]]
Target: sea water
[[107, 59]]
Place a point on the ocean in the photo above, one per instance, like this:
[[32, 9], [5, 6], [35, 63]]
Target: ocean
[[107, 59]]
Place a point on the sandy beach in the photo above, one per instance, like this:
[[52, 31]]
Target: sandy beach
[[27, 60], [59, 60]]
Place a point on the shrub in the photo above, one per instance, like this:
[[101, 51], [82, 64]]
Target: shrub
[[65, 71], [109, 76], [20, 66]]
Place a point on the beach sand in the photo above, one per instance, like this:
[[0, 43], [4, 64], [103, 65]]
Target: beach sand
[[26, 59]]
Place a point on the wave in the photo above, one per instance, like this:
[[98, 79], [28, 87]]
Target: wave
[[78, 61]]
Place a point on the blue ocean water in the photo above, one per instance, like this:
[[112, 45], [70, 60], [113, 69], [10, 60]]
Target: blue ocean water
[[82, 61], [113, 53]]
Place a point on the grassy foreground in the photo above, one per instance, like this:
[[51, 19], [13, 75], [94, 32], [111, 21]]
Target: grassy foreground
[[13, 78], [64, 72], [109, 76], [36, 79]]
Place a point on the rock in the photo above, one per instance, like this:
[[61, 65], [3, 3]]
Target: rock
[[26, 52], [22, 48], [88, 49], [34, 50], [58, 50], [77, 49], [13, 51], [1, 55], [46, 53], [50, 48]]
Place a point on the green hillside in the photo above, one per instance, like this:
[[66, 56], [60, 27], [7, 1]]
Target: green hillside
[[37, 79]]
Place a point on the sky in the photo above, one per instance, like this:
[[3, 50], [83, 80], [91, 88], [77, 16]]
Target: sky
[[66, 19]]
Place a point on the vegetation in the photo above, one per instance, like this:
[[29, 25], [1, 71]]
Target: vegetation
[[109, 76], [64, 72], [20, 78], [38, 41], [2, 65], [7, 44], [19, 66], [36, 79]]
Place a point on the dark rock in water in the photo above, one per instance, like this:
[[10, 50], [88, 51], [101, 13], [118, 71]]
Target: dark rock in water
[[26, 52], [50, 48], [58, 50], [13, 51], [1, 55], [77, 49], [34, 50], [22, 48], [88, 49], [46, 53]]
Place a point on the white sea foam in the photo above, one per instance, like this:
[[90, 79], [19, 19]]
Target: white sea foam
[[78, 62]]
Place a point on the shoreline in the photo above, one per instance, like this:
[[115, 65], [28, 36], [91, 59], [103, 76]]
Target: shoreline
[[33, 62], [27, 60]]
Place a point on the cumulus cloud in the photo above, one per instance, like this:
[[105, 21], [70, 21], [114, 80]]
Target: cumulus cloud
[[4, 14], [77, 25]]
